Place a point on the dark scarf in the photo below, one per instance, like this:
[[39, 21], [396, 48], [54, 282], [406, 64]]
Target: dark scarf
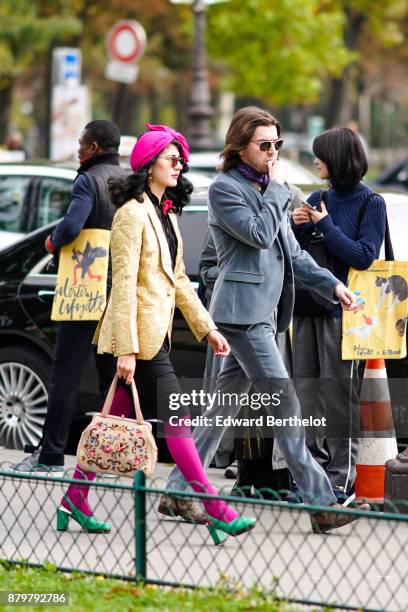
[[101, 158], [253, 175]]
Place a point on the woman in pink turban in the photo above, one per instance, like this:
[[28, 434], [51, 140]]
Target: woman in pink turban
[[148, 281]]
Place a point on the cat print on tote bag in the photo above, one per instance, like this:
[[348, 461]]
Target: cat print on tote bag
[[376, 329]]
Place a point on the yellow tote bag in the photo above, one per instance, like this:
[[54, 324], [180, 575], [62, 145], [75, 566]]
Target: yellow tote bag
[[80, 293], [377, 329]]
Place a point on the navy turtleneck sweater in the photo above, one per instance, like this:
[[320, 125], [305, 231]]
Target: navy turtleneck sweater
[[351, 246]]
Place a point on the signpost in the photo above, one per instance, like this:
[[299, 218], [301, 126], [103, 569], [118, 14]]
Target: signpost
[[126, 43], [70, 106], [66, 66]]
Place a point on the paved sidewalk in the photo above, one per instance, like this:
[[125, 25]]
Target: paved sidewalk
[[358, 564], [216, 475]]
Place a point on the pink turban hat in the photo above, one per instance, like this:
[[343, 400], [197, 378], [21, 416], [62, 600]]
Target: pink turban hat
[[152, 142]]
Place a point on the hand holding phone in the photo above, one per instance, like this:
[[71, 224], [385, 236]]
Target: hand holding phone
[[304, 203], [301, 215], [315, 215]]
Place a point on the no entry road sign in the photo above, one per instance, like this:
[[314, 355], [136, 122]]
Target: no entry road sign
[[127, 41]]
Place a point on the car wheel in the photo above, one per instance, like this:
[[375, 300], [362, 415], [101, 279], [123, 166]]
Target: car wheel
[[24, 375]]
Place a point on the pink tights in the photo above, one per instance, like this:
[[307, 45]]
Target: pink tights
[[184, 453]]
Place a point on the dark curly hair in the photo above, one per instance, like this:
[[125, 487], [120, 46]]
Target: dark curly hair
[[135, 185], [105, 133]]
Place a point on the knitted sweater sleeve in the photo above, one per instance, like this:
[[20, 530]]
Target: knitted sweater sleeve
[[359, 253]]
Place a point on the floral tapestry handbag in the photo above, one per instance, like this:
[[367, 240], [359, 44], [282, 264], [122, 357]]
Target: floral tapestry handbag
[[117, 445]]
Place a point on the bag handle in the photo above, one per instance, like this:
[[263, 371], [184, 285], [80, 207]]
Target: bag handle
[[111, 394], [388, 250]]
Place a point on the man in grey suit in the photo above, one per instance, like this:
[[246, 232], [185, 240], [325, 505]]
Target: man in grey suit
[[258, 259]]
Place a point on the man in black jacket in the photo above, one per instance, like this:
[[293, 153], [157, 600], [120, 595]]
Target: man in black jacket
[[90, 208]]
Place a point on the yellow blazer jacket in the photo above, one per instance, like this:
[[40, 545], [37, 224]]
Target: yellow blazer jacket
[[145, 290]]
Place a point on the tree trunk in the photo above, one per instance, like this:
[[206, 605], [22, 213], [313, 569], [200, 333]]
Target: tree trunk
[[5, 104], [339, 103], [74, 41], [119, 104], [154, 101], [46, 126]]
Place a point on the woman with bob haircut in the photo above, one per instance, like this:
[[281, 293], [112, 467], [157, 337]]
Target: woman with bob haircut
[[350, 219], [148, 281]]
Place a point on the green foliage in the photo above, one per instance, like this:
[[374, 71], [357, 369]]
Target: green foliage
[[278, 50], [282, 50], [382, 21], [25, 30]]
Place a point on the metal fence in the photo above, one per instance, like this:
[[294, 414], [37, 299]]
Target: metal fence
[[359, 566]]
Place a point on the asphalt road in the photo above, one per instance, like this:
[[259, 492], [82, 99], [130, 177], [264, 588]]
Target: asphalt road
[[363, 564]]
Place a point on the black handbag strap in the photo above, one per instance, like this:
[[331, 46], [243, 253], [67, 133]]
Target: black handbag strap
[[388, 250]]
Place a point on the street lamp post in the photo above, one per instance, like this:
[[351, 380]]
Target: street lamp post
[[200, 110]]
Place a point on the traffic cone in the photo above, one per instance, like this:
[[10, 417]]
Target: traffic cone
[[375, 420]]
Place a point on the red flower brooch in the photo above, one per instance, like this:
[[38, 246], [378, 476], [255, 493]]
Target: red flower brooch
[[166, 206]]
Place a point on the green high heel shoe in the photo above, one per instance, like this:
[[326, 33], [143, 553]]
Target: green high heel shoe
[[88, 523], [220, 529]]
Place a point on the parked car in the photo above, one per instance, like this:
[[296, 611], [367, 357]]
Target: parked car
[[31, 196], [35, 194], [395, 176]]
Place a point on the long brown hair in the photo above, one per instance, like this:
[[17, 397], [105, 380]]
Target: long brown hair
[[241, 130]]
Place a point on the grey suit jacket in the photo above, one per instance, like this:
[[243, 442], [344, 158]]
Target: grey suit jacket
[[258, 255]]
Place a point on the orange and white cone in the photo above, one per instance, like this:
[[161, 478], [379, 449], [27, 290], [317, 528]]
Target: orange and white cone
[[376, 425]]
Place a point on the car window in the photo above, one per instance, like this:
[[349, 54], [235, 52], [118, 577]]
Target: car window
[[14, 202], [53, 200], [193, 224], [46, 266]]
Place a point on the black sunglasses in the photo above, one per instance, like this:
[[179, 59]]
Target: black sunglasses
[[174, 160], [265, 145]]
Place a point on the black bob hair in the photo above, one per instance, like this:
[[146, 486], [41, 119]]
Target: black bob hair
[[343, 153], [135, 185]]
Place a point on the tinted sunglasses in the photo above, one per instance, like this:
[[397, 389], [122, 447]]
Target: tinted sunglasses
[[265, 145], [174, 160]]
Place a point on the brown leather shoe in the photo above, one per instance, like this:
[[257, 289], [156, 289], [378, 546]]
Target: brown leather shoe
[[187, 509], [323, 521]]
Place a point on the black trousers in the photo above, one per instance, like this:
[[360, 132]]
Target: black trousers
[[73, 350], [156, 382]]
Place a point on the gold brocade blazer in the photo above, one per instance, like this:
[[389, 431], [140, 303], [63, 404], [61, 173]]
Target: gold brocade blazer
[[145, 290]]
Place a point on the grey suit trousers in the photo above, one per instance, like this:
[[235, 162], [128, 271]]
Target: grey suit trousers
[[317, 355], [255, 360]]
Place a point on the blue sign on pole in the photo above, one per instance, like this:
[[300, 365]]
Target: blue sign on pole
[[67, 66]]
